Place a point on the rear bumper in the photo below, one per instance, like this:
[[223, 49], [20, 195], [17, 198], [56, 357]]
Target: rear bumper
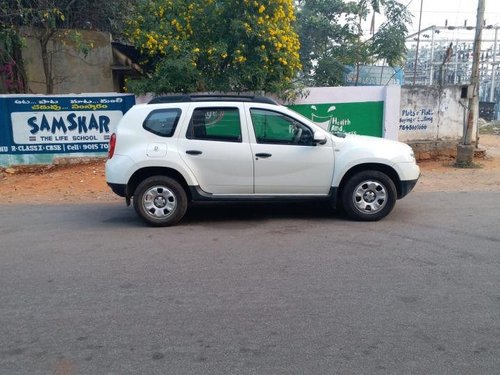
[[118, 189]]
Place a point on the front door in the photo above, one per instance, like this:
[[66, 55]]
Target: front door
[[286, 160]]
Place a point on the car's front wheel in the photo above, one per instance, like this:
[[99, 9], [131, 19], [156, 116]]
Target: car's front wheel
[[160, 201], [368, 196]]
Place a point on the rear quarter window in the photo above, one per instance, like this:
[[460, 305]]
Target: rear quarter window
[[162, 122]]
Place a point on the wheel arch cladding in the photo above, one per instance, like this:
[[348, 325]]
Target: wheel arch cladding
[[141, 174], [386, 169]]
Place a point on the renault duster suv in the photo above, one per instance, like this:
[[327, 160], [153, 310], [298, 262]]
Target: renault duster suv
[[177, 150]]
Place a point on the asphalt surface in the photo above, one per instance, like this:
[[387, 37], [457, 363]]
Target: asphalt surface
[[89, 289]]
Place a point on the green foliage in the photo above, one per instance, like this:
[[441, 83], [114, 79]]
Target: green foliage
[[69, 14], [13, 78], [321, 30], [331, 37], [78, 41], [389, 42], [230, 45], [329, 72], [9, 40]]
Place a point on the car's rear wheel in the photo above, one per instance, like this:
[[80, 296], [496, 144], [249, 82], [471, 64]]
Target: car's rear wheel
[[160, 201], [368, 196]]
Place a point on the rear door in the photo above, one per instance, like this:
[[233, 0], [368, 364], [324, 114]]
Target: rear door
[[215, 146]]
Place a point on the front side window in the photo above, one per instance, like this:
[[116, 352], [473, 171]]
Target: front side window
[[162, 122], [275, 127], [215, 124]]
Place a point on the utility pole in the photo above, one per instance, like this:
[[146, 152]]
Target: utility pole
[[465, 151], [418, 42], [494, 67]]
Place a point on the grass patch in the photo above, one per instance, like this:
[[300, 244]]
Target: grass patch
[[490, 128], [466, 165]]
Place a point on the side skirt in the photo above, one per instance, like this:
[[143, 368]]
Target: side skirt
[[199, 195]]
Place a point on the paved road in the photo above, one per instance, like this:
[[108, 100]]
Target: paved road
[[252, 290]]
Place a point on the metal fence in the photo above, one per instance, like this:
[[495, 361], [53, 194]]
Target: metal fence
[[442, 55]]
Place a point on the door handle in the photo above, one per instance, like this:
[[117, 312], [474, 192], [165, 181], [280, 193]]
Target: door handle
[[194, 152], [263, 155]]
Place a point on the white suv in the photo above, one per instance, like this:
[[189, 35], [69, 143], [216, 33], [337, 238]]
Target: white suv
[[191, 148]]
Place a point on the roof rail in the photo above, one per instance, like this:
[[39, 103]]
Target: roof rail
[[211, 97]]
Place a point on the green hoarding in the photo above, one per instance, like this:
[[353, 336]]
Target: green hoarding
[[364, 118]]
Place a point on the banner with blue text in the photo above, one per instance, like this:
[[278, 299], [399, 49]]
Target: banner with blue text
[[41, 124]]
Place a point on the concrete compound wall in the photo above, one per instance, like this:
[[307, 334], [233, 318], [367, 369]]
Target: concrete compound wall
[[72, 71], [432, 120], [364, 110]]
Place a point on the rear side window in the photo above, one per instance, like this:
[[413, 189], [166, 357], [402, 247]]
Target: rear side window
[[215, 124], [162, 122]]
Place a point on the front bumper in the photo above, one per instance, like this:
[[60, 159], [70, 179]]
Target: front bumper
[[406, 187]]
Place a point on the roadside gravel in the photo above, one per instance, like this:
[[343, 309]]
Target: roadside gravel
[[85, 183]]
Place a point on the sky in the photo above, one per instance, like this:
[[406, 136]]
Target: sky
[[435, 12]]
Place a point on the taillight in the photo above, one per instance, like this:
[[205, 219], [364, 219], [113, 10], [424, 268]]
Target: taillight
[[112, 144]]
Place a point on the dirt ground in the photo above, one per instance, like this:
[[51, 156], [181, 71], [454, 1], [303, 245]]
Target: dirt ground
[[85, 183]]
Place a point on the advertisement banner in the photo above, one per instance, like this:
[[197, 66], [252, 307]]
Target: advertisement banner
[[363, 118], [59, 124]]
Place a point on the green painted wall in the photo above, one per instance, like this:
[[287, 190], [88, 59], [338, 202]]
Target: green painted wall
[[363, 118]]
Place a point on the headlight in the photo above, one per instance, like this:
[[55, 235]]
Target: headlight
[[412, 156]]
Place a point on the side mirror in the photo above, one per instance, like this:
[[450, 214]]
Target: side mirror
[[319, 138]]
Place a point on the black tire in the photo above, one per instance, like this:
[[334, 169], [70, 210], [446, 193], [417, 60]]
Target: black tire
[[368, 196], [160, 201]]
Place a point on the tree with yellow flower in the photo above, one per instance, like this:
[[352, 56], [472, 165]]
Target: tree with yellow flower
[[215, 45]]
